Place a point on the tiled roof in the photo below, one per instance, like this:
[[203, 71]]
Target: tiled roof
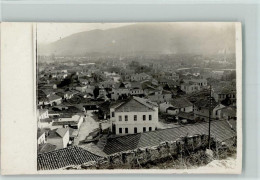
[[231, 110], [64, 157], [47, 147], [57, 133], [205, 103], [186, 115], [61, 131], [219, 129], [181, 103], [54, 97], [135, 104]]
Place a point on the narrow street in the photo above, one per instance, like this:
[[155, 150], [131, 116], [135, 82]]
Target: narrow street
[[88, 126]]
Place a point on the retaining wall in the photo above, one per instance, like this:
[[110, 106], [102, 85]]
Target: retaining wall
[[141, 156]]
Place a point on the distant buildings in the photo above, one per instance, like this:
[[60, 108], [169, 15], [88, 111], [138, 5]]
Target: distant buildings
[[134, 116], [191, 85], [225, 93], [140, 77], [175, 106], [202, 108], [124, 101]]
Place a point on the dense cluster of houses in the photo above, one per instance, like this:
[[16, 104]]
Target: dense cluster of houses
[[132, 100]]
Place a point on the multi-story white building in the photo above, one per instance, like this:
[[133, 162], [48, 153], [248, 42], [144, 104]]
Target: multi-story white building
[[136, 115]]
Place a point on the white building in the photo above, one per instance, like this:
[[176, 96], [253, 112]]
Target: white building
[[190, 87], [74, 121], [59, 137], [134, 116], [41, 137], [43, 113], [175, 106]]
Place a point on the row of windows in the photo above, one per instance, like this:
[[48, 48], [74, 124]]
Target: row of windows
[[229, 95], [135, 118], [135, 130]]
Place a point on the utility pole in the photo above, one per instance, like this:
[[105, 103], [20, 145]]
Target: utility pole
[[209, 113]]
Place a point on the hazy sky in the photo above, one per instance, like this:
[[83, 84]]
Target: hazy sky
[[50, 32]]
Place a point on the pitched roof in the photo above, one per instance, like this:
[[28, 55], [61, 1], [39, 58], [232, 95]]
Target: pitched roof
[[58, 133], [47, 147], [42, 111], [231, 110], [61, 131], [205, 103], [135, 104], [181, 103], [220, 130], [39, 133], [54, 97], [64, 157]]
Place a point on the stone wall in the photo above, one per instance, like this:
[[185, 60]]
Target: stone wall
[[142, 156]]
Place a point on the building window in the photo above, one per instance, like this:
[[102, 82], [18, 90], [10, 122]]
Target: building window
[[126, 130], [126, 118], [150, 128], [120, 130], [144, 129], [113, 114], [135, 130], [144, 117], [150, 117], [120, 118], [135, 117]]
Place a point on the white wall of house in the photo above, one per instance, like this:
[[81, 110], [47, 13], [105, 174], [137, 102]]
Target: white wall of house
[[216, 113], [190, 88], [44, 115], [187, 109], [120, 122], [60, 142], [172, 112], [136, 91], [42, 125], [163, 106], [201, 113], [41, 139]]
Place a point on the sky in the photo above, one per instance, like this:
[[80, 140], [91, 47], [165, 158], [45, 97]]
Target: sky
[[51, 32], [164, 37]]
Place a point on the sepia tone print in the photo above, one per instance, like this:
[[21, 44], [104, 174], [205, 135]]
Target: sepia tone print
[[137, 96]]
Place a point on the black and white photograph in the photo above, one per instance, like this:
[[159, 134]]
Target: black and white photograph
[[138, 96]]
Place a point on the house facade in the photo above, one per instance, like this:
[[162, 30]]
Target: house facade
[[136, 115], [59, 137]]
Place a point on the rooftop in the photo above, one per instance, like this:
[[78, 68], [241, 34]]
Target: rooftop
[[46, 147], [136, 104], [181, 103], [64, 157], [220, 130], [54, 97], [58, 133]]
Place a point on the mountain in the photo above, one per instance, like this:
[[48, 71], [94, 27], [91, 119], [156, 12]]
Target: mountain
[[145, 38]]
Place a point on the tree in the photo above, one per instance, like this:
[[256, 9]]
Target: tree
[[96, 92]]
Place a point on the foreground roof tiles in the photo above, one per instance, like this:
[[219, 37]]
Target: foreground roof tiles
[[64, 157], [219, 129]]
